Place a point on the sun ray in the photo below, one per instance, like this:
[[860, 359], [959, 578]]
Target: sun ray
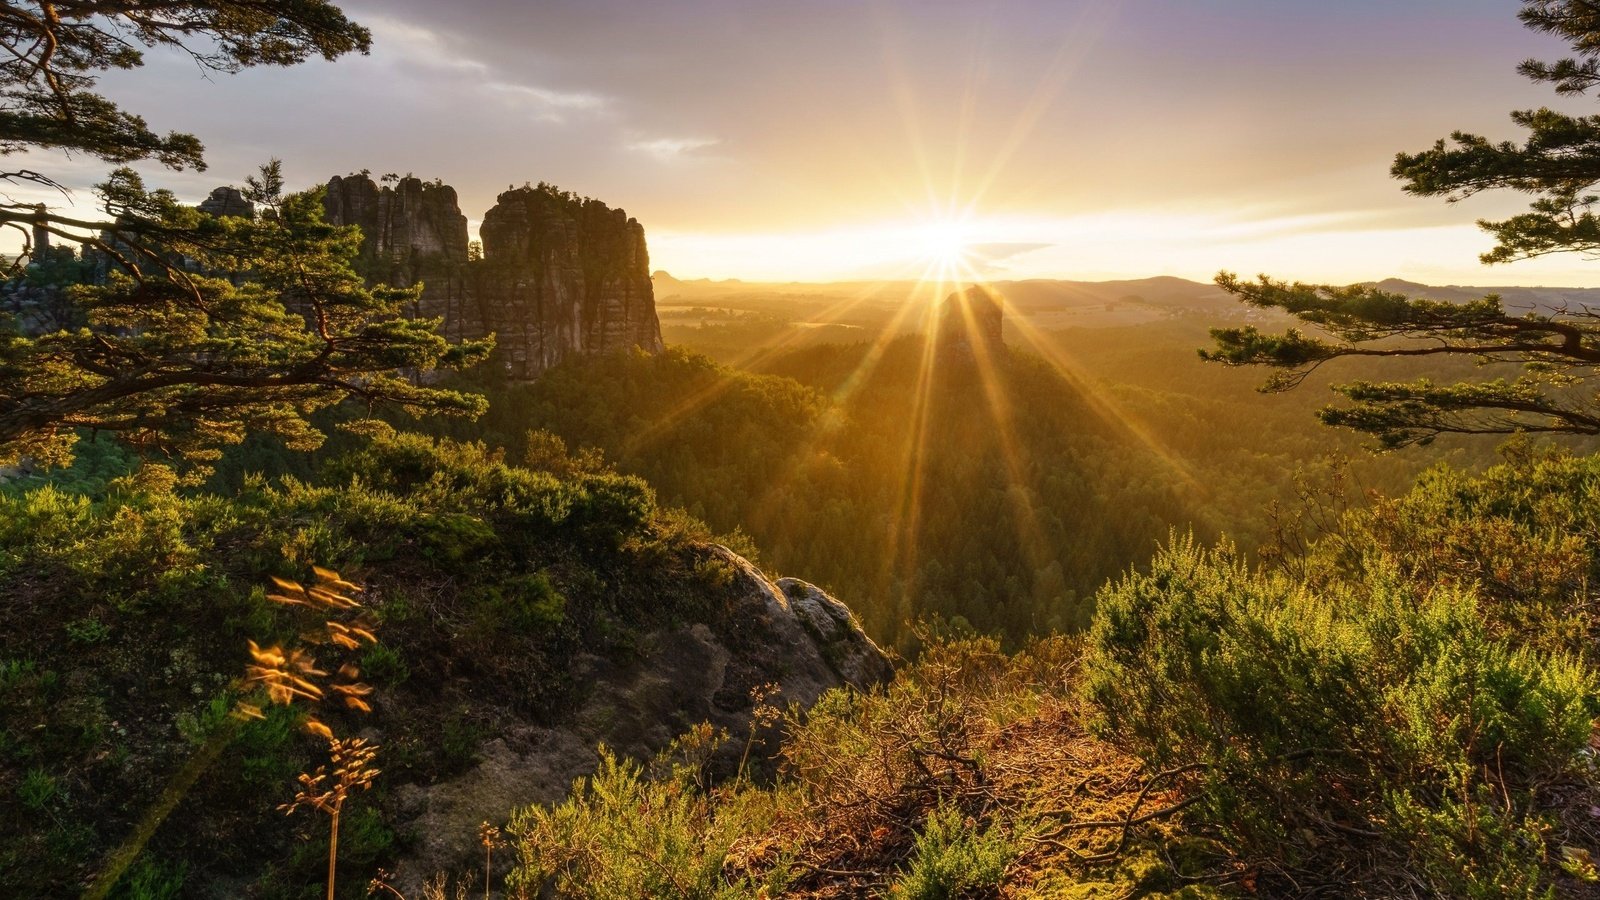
[[749, 361], [1103, 405], [966, 115], [756, 356], [990, 374], [905, 517], [905, 102], [769, 505]]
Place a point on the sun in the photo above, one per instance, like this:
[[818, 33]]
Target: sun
[[945, 246]]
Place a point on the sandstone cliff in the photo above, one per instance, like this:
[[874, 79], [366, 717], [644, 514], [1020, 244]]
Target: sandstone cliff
[[560, 275], [411, 227], [564, 276], [784, 632]]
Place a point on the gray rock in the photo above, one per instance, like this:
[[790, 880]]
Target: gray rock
[[227, 201], [560, 276], [788, 633], [411, 231], [837, 633]]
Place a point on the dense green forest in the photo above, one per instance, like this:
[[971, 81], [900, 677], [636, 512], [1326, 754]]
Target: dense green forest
[[849, 465], [873, 491]]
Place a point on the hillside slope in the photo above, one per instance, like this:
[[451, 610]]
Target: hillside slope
[[523, 618]]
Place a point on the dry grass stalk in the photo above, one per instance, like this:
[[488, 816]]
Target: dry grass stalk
[[291, 675], [326, 792], [490, 837]]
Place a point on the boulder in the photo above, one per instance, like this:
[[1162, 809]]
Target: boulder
[[786, 633]]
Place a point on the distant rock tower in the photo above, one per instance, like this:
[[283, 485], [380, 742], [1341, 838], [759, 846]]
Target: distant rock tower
[[970, 321], [227, 201], [560, 276], [564, 276]]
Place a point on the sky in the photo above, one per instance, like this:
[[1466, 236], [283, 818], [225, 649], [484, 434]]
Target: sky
[[832, 140]]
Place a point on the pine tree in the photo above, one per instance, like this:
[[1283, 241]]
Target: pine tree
[[205, 328], [220, 327], [1557, 350]]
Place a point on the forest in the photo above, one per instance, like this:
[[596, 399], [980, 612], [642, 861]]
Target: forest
[[1255, 588]]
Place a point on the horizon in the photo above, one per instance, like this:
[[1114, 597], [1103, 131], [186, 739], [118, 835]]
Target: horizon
[[658, 273]]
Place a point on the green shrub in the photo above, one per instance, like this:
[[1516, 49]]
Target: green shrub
[[535, 603], [459, 740], [264, 748], [524, 604], [39, 790], [382, 663], [88, 630], [364, 839], [1332, 725], [610, 509], [1469, 847], [454, 537], [954, 858], [197, 725], [622, 835], [151, 880], [1524, 536]]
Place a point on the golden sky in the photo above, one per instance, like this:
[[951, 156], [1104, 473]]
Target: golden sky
[[827, 140]]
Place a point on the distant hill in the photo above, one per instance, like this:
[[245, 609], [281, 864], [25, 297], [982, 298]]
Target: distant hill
[[1160, 295], [1543, 298]]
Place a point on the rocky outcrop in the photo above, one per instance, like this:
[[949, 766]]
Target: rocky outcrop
[[787, 633], [227, 201], [560, 275], [41, 234], [410, 229], [971, 321], [563, 276], [36, 309]]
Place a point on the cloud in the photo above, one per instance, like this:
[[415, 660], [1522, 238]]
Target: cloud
[[994, 252], [548, 97], [671, 148], [419, 45], [407, 44]]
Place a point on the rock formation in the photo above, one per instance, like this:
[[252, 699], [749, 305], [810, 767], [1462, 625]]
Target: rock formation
[[560, 276], [409, 230], [564, 276], [970, 321], [786, 632], [41, 235], [227, 201]]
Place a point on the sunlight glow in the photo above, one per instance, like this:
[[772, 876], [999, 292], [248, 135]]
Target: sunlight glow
[[945, 245]]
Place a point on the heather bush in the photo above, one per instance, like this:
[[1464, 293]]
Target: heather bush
[[1359, 730]]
